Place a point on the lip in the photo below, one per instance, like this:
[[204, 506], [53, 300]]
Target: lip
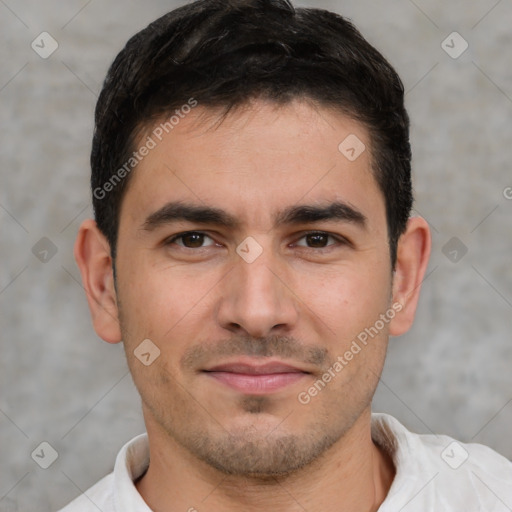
[[256, 379]]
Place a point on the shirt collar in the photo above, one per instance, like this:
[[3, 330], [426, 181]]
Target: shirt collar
[[131, 463]]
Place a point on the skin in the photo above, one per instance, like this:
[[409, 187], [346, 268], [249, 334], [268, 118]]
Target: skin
[[302, 301]]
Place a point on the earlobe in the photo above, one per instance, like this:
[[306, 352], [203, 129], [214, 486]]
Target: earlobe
[[92, 254], [413, 253]]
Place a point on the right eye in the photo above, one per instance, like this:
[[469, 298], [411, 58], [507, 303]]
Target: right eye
[[191, 240]]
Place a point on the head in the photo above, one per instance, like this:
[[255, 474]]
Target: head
[[252, 191]]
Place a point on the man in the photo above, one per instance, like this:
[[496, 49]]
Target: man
[[253, 250]]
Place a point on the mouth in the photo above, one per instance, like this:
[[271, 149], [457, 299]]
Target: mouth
[[256, 379]]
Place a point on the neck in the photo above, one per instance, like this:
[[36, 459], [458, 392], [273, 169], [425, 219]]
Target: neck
[[353, 475]]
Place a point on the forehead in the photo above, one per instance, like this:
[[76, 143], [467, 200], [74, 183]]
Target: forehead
[[261, 155]]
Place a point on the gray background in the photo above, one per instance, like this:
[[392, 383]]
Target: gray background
[[59, 383]]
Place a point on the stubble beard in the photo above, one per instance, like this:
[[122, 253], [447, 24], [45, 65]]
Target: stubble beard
[[251, 452]]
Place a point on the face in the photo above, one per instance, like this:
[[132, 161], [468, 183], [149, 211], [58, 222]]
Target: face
[[254, 254]]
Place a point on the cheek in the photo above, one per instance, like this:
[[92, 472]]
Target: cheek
[[346, 299], [158, 302]]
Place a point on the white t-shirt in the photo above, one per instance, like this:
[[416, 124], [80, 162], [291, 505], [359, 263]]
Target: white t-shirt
[[433, 473]]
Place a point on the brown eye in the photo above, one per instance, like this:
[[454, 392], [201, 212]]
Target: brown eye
[[317, 240], [192, 240]]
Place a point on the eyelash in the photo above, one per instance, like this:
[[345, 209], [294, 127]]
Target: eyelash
[[339, 240]]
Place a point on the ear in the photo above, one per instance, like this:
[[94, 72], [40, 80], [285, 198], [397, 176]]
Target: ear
[[92, 254], [413, 252]]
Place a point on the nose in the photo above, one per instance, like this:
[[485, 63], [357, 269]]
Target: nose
[[256, 298]]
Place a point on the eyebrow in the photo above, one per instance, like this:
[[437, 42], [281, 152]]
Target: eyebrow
[[300, 214], [337, 211], [176, 211]]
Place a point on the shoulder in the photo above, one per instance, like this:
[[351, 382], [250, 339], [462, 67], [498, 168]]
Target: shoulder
[[117, 491], [482, 473], [440, 471], [99, 497]]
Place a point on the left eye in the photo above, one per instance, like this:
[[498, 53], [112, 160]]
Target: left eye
[[192, 240], [317, 240]]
